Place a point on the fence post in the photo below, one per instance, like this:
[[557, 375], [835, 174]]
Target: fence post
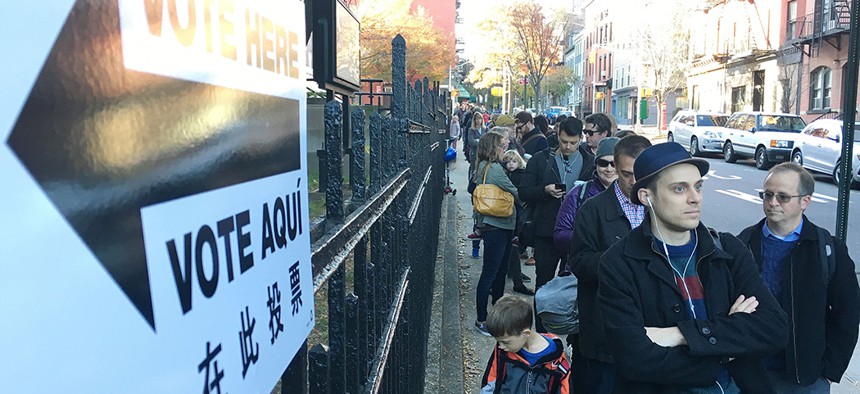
[[359, 306], [296, 374], [318, 358], [356, 169], [333, 163]]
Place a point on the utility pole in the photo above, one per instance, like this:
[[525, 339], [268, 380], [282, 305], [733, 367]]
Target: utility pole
[[849, 97]]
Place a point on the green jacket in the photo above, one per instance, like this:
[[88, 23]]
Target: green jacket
[[496, 175]]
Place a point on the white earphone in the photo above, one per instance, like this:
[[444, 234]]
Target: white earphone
[[648, 197]]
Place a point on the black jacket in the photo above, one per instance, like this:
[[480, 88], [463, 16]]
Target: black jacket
[[599, 223], [534, 141], [637, 289], [542, 170], [823, 321]]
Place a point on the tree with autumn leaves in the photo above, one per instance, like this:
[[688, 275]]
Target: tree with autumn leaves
[[429, 51], [523, 38]]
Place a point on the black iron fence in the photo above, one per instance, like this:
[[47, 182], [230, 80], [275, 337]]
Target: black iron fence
[[387, 233]]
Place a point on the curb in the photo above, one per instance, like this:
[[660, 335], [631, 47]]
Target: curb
[[444, 372], [451, 371]]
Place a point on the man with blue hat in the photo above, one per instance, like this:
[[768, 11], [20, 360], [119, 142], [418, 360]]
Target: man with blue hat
[[684, 309]]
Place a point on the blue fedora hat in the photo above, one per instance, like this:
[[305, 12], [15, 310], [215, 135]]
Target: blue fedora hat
[[658, 158]]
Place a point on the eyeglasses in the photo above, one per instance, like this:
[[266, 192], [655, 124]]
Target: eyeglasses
[[605, 163], [590, 132], [781, 198]]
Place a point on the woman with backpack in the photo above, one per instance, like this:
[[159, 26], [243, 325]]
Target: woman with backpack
[[604, 175]]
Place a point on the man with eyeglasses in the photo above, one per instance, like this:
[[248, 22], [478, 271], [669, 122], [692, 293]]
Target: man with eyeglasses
[[818, 291], [531, 138], [597, 127]]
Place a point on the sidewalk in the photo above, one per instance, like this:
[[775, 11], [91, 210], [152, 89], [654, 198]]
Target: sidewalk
[[460, 336], [457, 353]]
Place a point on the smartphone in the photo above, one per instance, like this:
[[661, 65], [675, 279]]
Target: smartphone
[[561, 186]]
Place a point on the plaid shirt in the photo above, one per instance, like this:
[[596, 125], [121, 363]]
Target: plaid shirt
[[635, 213]]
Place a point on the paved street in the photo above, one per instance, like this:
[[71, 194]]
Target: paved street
[[731, 201]]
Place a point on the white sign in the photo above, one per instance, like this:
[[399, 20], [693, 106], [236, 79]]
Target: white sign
[[155, 202]]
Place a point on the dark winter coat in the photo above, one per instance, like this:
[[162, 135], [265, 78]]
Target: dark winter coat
[[564, 221], [534, 145], [823, 319], [637, 289], [599, 224], [542, 170]]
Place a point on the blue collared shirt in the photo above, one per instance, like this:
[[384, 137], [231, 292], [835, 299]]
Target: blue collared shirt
[[794, 235]]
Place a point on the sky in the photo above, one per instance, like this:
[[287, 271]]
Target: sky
[[473, 11]]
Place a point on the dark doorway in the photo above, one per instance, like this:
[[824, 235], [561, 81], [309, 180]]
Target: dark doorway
[[758, 91]]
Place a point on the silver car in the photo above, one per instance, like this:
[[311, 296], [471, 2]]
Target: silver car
[[701, 132], [819, 149]]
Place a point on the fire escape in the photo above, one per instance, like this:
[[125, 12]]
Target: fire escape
[[829, 23]]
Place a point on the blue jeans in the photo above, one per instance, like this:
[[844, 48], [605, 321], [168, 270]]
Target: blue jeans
[[497, 251]]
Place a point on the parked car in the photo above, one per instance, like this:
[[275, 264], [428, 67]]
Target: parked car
[[767, 137], [819, 149], [701, 132], [553, 112]]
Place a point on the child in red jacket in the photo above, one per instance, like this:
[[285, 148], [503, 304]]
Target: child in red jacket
[[523, 361]]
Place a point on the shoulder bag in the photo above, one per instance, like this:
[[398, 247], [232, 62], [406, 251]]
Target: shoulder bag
[[491, 200]]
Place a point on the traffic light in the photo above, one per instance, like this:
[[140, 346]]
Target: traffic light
[[643, 109]]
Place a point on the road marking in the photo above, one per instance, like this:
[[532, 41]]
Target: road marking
[[834, 199], [728, 178], [816, 197], [740, 195]]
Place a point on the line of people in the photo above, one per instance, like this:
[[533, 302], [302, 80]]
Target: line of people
[[665, 303]]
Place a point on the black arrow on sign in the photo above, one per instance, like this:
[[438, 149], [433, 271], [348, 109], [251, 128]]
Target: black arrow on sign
[[103, 141]]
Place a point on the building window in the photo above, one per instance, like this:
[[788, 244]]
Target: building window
[[820, 90], [695, 97], [791, 31], [739, 98]]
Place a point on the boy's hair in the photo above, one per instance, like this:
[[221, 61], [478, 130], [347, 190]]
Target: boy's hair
[[511, 315], [513, 155]]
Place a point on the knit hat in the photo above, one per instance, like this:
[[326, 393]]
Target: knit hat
[[504, 120], [606, 147]]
